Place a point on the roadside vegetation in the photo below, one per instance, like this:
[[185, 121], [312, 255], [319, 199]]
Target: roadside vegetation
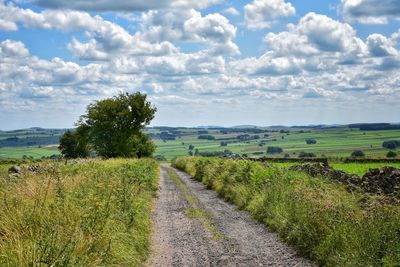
[[317, 216], [91, 213]]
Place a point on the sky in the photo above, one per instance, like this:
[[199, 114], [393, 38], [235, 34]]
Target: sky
[[202, 62]]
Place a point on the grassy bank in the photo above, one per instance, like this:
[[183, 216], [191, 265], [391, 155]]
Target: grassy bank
[[90, 214], [318, 217]]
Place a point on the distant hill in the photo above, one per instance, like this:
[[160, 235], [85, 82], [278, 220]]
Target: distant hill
[[34, 136]]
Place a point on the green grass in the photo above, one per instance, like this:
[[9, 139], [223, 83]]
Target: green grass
[[351, 168], [361, 168], [339, 142], [96, 213], [19, 152], [318, 217]]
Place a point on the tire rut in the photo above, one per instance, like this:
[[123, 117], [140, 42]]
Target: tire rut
[[182, 240]]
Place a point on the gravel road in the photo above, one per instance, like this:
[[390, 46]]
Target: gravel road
[[227, 237]]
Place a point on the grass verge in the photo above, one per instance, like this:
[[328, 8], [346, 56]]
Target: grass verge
[[318, 217], [91, 214]]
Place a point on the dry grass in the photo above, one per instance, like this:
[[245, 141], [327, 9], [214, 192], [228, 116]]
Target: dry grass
[[315, 215], [91, 214]]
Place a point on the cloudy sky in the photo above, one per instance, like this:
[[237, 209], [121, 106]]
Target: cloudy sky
[[202, 62]]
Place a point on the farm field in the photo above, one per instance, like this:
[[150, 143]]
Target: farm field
[[337, 142], [34, 152]]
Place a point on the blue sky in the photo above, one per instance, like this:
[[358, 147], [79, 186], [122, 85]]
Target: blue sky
[[208, 62]]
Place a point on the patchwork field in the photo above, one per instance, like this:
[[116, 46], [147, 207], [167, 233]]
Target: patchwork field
[[337, 142], [333, 141]]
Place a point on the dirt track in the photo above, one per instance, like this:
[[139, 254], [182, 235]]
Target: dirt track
[[225, 237]]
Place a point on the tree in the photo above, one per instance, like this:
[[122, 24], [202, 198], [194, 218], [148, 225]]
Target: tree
[[391, 154], [141, 145], [392, 144], [114, 126], [310, 141], [358, 153], [274, 149], [74, 144]]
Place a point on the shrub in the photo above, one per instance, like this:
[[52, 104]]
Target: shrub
[[223, 144], [358, 154], [311, 141], [306, 155], [318, 217], [391, 154], [206, 137], [392, 144], [274, 149]]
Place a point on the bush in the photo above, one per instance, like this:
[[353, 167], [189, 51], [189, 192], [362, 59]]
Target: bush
[[306, 155], [391, 154], [358, 154], [274, 149], [206, 137], [191, 147], [160, 158], [223, 144], [393, 144], [311, 141], [318, 217]]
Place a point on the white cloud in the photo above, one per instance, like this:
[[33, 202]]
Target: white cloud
[[231, 11], [317, 33], [107, 38], [181, 58], [380, 46], [261, 14], [12, 49], [371, 11], [212, 30], [6, 25]]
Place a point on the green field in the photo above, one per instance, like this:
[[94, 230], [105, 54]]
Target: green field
[[35, 152], [333, 142], [337, 142]]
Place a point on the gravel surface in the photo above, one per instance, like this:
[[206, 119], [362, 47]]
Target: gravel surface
[[182, 241]]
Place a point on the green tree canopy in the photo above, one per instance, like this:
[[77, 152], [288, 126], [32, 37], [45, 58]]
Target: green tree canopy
[[114, 126], [74, 144]]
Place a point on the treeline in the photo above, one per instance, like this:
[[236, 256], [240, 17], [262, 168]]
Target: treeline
[[392, 144], [375, 126], [29, 141]]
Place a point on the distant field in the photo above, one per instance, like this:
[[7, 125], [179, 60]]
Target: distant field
[[361, 168], [339, 142], [19, 152], [331, 142]]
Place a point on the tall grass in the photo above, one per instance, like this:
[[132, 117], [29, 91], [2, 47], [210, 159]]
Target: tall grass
[[90, 214], [318, 217]]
